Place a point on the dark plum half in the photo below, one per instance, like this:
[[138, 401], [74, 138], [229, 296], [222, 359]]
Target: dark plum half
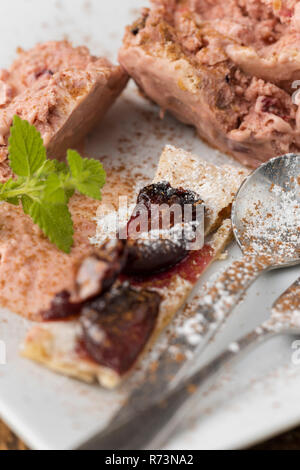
[[117, 326], [149, 255]]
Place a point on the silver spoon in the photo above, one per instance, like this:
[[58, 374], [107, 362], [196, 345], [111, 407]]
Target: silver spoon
[[266, 221]]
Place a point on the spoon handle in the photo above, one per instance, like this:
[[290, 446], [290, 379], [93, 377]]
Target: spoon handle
[[221, 297], [230, 287]]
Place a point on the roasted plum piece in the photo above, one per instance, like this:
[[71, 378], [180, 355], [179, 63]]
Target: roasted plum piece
[[96, 275], [117, 326], [61, 307], [98, 272], [149, 252]]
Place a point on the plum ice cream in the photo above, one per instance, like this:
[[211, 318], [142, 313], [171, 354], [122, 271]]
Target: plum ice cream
[[228, 68], [63, 91]]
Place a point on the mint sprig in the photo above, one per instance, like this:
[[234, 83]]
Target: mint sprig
[[44, 187]]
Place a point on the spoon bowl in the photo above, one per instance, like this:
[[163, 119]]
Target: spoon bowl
[[266, 212]]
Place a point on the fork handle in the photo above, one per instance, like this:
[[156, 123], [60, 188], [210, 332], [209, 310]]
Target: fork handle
[[181, 402], [151, 428]]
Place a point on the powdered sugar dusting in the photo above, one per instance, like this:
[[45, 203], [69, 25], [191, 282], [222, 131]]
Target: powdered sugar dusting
[[274, 229], [216, 185], [286, 313]]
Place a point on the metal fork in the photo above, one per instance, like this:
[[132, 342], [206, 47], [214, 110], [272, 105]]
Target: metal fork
[[151, 428]]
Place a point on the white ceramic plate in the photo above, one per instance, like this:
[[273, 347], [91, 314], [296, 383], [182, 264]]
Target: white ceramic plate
[[251, 401]]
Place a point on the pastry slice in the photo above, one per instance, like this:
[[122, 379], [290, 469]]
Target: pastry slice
[[112, 332], [63, 91]]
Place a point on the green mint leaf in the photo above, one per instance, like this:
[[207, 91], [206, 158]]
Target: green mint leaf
[[26, 204], [45, 186], [54, 220], [62, 171], [69, 193], [61, 167], [27, 153], [88, 176], [7, 188], [53, 166], [54, 192]]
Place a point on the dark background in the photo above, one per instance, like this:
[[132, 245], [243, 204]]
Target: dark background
[[288, 441]]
